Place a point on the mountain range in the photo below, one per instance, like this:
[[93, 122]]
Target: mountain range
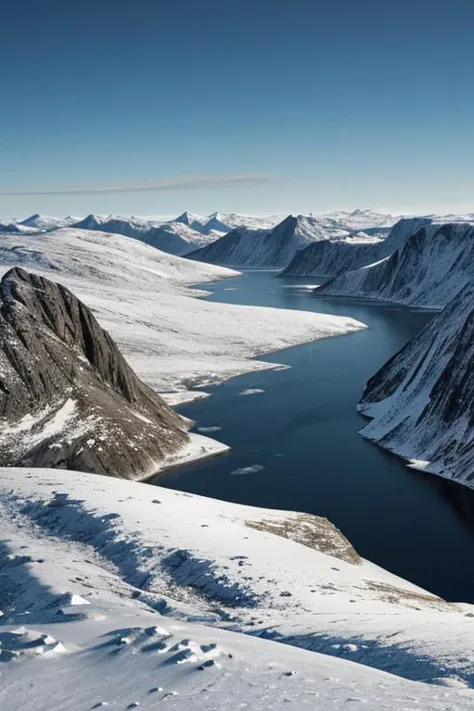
[[275, 248], [427, 267]]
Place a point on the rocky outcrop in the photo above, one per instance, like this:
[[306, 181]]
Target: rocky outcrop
[[421, 403], [67, 396]]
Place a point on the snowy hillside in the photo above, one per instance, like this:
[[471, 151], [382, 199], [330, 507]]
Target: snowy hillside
[[331, 257], [427, 270], [421, 401], [124, 595], [140, 295], [336, 256], [175, 237], [244, 247]]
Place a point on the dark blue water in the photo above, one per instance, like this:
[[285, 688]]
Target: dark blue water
[[303, 431]]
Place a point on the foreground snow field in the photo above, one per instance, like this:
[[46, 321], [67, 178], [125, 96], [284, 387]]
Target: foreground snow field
[[141, 296], [122, 595]]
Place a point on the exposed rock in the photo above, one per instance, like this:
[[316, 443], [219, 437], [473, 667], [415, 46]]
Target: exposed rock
[[67, 396], [421, 403], [276, 247], [315, 532], [427, 268], [331, 257]]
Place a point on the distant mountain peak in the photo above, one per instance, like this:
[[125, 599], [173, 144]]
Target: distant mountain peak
[[31, 219]]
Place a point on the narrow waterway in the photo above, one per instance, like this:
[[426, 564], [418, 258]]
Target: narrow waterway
[[295, 444]]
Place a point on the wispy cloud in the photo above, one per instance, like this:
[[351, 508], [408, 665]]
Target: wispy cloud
[[198, 182]]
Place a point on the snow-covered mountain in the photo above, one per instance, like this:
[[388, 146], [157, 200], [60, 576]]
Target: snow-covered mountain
[[276, 247], [363, 220], [185, 234], [218, 222], [175, 237], [336, 256], [421, 403], [432, 265], [331, 257], [45, 222], [120, 595]]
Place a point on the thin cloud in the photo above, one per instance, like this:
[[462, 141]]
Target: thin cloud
[[191, 183]]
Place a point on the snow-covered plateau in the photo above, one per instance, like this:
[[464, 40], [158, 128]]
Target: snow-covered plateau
[[123, 595]]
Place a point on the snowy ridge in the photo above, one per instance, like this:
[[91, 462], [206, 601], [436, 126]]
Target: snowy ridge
[[175, 237], [428, 270], [123, 595], [421, 402], [45, 222], [244, 247], [333, 257]]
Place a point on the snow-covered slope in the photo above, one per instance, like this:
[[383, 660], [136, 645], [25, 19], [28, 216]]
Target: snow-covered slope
[[124, 595], [45, 222], [226, 222], [140, 295], [175, 237], [331, 257], [244, 247], [336, 256], [186, 233], [431, 267], [422, 401]]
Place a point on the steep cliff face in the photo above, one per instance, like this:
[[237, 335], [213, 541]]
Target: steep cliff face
[[421, 403], [67, 396], [336, 256], [269, 247], [331, 257], [429, 269]]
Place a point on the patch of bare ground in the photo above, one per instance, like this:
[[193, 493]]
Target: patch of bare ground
[[314, 532]]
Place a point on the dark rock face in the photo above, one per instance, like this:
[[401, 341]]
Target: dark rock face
[[243, 247], [421, 402], [428, 269], [67, 396], [231, 249], [331, 257]]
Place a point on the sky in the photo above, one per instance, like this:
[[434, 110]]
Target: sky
[[151, 107]]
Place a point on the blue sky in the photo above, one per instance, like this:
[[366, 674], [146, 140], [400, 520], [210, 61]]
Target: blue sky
[[153, 107]]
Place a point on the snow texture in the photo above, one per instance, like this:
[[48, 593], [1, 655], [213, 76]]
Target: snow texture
[[122, 595]]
